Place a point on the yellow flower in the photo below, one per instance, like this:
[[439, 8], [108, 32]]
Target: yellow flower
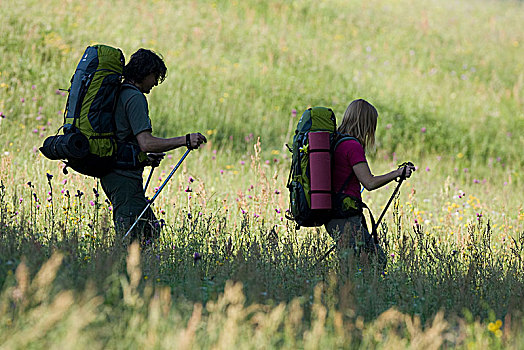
[[460, 155]]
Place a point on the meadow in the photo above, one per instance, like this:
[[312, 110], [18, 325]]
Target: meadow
[[230, 270]]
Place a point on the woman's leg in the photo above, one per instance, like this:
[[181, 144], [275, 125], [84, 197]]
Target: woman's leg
[[352, 233]]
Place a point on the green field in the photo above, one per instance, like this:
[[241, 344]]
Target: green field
[[447, 78]]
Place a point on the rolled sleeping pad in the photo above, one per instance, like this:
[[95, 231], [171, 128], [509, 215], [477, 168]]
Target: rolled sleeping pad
[[69, 146], [48, 149], [320, 169], [74, 146]]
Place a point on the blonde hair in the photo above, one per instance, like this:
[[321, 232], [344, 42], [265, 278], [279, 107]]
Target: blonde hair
[[360, 121]]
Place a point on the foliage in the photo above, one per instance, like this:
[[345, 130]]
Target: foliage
[[229, 269]]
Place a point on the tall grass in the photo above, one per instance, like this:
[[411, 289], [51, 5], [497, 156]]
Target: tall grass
[[453, 68], [229, 269]]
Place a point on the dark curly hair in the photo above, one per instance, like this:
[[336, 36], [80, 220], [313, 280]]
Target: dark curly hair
[[144, 62]]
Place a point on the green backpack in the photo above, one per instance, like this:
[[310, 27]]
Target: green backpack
[[88, 142], [312, 200], [316, 119]]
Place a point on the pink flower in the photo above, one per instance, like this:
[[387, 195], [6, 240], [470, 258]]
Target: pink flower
[[423, 130], [293, 113]]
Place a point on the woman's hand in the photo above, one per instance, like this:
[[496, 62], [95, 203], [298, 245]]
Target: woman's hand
[[409, 169]]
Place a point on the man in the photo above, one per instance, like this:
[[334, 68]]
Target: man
[[123, 186]]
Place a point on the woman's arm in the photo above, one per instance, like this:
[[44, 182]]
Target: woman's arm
[[372, 182]]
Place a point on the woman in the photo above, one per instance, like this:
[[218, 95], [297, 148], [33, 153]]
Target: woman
[[351, 170]]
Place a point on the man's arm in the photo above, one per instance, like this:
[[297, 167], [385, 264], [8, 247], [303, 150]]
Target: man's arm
[[152, 144]]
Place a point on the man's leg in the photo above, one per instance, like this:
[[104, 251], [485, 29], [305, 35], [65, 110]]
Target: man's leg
[[128, 199]]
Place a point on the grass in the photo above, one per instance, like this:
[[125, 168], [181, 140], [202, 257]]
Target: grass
[[447, 80]]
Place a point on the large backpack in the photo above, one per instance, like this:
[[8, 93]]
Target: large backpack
[[313, 202], [88, 144]]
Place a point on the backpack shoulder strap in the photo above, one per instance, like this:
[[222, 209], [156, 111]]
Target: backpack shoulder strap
[[339, 139]]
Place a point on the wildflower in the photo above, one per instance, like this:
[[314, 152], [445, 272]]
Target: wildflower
[[191, 179], [30, 184], [188, 189], [423, 130], [277, 210], [494, 327], [49, 176], [22, 100], [92, 203], [389, 126], [2, 115], [196, 256], [189, 216], [293, 113], [476, 181], [79, 194], [277, 192], [96, 192]]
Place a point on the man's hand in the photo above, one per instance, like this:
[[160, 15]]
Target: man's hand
[[195, 140], [155, 159]]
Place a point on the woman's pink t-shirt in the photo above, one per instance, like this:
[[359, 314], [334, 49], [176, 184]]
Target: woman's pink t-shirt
[[347, 154]]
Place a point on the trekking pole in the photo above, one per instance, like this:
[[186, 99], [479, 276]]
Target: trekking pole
[[402, 178], [148, 179], [157, 192]]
